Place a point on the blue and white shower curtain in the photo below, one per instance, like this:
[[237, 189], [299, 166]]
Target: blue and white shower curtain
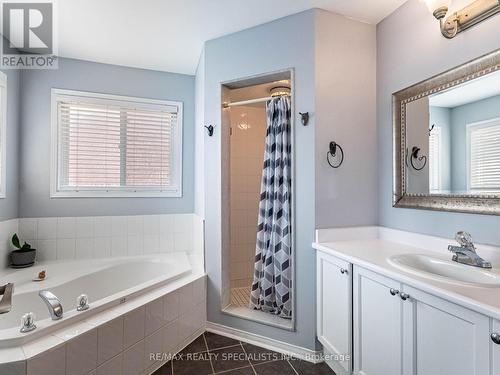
[[272, 285]]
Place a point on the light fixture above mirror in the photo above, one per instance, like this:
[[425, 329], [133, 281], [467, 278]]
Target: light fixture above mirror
[[461, 20]]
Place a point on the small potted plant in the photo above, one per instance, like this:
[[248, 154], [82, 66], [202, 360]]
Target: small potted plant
[[24, 256]]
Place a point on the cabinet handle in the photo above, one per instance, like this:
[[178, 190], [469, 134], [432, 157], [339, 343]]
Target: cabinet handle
[[495, 337], [343, 271], [404, 296], [393, 292]]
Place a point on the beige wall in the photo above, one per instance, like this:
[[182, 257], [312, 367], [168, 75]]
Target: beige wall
[[247, 155]]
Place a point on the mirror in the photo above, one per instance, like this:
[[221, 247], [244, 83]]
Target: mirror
[[447, 140]]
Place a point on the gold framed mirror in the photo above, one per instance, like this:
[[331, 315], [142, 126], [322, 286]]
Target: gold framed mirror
[[446, 140]]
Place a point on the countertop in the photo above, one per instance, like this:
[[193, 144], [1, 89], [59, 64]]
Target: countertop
[[373, 254]]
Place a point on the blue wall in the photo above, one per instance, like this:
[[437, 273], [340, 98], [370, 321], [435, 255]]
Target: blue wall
[[282, 44], [9, 204], [407, 55], [34, 200]]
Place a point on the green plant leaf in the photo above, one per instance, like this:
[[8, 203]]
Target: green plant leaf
[[15, 241], [26, 247]]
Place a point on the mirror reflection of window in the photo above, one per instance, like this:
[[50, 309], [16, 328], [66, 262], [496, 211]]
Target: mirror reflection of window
[[483, 149], [435, 159]]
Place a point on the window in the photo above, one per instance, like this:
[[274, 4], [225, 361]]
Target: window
[[483, 155], [435, 159], [114, 146], [3, 134]]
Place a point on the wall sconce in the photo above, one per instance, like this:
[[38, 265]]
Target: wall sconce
[[461, 20]]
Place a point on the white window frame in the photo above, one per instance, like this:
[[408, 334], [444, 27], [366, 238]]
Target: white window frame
[[3, 136], [439, 133], [469, 128], [56, 192]]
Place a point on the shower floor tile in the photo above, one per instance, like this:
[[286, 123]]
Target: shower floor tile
[[240, 296]]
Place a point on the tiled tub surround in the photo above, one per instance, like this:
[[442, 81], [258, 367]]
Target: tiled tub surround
[[7, 229], [112, 236], [119, 340]]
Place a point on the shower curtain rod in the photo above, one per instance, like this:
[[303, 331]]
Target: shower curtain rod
[[250, 101]]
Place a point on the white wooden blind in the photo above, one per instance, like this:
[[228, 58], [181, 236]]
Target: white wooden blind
[[117, 146], [484, 156], [3, 133], [435, 159]]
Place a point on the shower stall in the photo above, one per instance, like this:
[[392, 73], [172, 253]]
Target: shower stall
[[257, 259]]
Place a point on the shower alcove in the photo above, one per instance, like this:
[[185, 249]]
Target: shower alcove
[[244, 126]]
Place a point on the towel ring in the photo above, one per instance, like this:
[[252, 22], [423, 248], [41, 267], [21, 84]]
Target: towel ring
[[332, 152]]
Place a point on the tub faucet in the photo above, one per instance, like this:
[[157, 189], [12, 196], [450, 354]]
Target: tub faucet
[[6, 294], [53, 304], [466, 252]]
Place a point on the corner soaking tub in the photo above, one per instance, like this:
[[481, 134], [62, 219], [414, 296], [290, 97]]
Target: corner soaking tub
[[107, 282]]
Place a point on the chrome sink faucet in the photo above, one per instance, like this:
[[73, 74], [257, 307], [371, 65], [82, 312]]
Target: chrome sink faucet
[[466, 252], [53, 304]]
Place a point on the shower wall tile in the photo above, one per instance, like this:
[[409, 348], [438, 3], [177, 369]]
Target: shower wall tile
[[247, 156]]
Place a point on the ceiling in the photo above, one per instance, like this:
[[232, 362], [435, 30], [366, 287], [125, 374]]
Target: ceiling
[[470, 92], [168, 35]]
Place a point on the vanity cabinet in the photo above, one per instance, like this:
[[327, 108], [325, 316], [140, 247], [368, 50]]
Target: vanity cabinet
[[396, 329], [444, 338], [334, 323], [377, 321]]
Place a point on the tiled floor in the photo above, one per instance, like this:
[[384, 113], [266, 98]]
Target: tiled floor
[[214, 354], [240, 296]]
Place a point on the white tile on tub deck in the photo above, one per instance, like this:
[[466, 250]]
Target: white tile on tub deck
[[66, 248], [133, 326], [135, 225], [66, 227], [135, 244], [47, 228], [13, 368], [81, 353], [47, 250], [151, 244], [171, 306], [112, 367], [119, 246], [133, 359], [51, 362], [154, 316], [153, 345], [84, 227], [28, 229], [102, 247], [84, 248], [102, 226], [199, 290], [119, 226], [110, 340], [170, 338], [151, 225]]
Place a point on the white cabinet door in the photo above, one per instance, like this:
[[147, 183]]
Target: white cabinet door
[[377, 324], [445, 338], [495, 347], [334, 288]]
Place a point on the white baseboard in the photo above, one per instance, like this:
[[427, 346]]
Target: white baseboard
[[305, 354]]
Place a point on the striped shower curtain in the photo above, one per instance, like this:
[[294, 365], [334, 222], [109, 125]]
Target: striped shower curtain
[[272, 285]]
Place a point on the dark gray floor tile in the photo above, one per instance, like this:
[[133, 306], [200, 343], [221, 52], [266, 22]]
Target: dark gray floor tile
[[308, 368], [197, 346], [192, 363], [256, 354], [273, 368], [229, 358], [240, 371], [166, 369], [216, 341]]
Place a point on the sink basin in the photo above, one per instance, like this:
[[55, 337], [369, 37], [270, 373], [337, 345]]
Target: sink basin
[[445, 270]]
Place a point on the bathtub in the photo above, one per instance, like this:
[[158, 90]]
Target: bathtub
[[107, 282]]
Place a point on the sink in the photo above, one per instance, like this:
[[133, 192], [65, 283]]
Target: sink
[[445, 270]]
